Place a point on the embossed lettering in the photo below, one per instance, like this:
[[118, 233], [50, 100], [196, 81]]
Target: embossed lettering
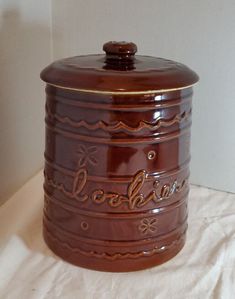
[[134, 197]]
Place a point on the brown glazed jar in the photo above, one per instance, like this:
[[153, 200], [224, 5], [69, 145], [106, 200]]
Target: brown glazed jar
[[117, 158]]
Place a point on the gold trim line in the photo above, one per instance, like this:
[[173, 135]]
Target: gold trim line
[[121, 92]]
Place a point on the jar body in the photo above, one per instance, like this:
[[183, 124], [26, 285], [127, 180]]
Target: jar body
[[116, 177]]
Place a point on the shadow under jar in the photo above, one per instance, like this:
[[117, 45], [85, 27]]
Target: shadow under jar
[[117, 158]]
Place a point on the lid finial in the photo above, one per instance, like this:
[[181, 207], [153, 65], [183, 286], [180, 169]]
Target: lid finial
[[120, 51]]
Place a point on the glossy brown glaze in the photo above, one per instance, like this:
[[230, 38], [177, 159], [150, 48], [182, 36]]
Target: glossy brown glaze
[[116, 172], [118, 71]]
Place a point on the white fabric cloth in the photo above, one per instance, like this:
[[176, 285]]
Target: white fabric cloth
[[204, 269]]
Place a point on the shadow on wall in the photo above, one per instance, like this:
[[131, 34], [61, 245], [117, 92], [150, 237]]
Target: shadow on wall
[[24, 51]]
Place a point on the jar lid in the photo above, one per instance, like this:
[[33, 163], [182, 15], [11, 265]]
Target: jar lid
[[119, 71]]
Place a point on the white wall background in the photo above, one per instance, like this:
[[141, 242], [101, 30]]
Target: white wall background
[[198, 33], [25, 48]]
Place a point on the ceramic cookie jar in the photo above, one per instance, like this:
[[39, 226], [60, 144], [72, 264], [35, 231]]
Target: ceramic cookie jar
[[117, 158]]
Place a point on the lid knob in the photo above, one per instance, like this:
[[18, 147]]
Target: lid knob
[[119, 51]]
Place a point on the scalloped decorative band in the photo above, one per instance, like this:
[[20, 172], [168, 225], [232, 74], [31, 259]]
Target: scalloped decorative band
[[117, 255], [120, 125]]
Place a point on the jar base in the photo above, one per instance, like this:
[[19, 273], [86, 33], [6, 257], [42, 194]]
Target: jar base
[[111, 265]]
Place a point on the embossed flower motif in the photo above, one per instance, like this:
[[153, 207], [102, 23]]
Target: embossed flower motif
[[86, 155], [148, 225]]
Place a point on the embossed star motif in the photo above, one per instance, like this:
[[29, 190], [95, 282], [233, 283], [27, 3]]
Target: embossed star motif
[[86, 155], [148, 225]]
